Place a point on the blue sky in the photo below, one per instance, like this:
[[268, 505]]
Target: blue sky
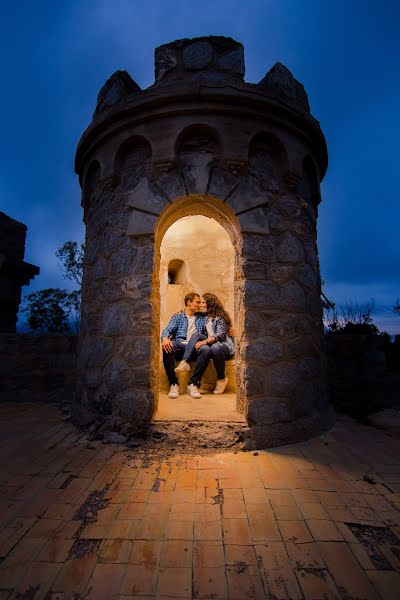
[[55, 56]]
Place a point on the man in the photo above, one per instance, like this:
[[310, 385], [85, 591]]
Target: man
[[174, 339]]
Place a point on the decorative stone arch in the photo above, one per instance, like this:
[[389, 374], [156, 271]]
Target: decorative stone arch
[[132, 162], [91, 182], [268, 158]]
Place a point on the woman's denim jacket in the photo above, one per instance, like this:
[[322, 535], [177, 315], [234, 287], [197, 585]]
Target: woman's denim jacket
[[220, 328]]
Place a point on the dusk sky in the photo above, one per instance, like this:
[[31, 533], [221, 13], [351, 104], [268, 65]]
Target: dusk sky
[[57, 54]]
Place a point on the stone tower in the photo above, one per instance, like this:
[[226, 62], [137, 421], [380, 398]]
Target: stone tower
[[201, 141]]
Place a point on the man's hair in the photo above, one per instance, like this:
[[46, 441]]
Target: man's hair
[[190, 297]]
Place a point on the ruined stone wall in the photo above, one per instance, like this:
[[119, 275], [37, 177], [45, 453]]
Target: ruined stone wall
[[37, 367], [200, 141]]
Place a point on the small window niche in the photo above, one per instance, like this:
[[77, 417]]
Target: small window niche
[[176, 272]]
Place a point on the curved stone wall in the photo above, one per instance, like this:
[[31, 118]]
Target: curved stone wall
[[201, 141]]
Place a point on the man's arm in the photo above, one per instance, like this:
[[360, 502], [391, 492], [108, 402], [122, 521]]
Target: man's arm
[[168, 333]]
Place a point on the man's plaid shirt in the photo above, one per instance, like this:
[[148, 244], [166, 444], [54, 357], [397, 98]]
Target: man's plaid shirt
[[178, 324]]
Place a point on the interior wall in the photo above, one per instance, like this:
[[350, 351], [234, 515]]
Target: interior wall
[[209, 257]]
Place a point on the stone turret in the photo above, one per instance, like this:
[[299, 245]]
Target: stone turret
[[201, 141]]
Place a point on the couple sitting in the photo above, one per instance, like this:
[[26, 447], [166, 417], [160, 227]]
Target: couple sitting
[[199, 332]]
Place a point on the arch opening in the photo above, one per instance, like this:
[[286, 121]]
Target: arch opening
[[199, 246]]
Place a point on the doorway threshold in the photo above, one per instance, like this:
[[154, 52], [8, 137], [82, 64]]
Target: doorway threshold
[[210, 407]]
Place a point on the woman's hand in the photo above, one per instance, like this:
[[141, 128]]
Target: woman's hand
[[178, 312], [200, 344]]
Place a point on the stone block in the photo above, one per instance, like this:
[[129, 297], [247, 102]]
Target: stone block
[[248, 194], [141, 223], [290, 205], [254, 221], [284, 377], [292, 296], [295, 348], [290, 250], [145, 197], [166, 59], [253, 381], [222, 183], [277, 224], [233, 61], [171, 184], [256, 247], [257, 324], [99, 269], [260, 294], [121, 262], [197, 55], [196, 172], [137, 287], [144, 259], [136, 405], [304, 399], [264, 351], [94, 352], [310, 367], [116, 319], [111, 242], [116, 376], [266, 411], [282, 273], [306, 277], [253, 269], [135, 351]]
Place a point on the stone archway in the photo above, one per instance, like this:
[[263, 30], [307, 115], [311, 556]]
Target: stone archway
[[213, 210]]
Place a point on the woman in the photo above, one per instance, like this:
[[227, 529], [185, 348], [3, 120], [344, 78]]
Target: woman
[[218, 324]]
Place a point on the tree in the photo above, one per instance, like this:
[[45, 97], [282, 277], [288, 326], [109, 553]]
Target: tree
[[53, 309], [396, 307], [48, 310], [71, 256]]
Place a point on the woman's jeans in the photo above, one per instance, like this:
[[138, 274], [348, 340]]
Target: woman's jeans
[[219, 353]]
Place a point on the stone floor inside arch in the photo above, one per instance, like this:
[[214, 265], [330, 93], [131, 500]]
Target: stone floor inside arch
[[83, 519]]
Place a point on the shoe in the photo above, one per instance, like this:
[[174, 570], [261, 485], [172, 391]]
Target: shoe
[[193, 391], [183, 366], [173, 391], [221, 386]]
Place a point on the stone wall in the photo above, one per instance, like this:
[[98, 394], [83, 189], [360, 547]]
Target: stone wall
[[37, 368]]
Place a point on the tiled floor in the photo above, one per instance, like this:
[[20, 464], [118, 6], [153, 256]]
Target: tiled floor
[[210, 407], [87, 520]]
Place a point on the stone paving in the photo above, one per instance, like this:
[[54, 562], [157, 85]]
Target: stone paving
[[82, 519]]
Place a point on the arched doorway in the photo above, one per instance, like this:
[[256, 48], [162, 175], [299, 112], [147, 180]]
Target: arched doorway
[[196, 253]]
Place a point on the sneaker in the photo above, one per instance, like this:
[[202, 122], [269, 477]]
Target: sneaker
[[221, 386], [173, 391], [183, 366], [193, 391]]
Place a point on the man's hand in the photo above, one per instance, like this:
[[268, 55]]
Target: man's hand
[[167, 345]]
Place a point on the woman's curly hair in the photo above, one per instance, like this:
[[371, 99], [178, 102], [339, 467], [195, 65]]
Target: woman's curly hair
[[215, 308]]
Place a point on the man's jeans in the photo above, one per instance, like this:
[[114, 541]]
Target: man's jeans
[[202, 357]]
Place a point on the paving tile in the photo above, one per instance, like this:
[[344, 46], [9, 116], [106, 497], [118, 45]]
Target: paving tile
[[151, 528], [44, 528], [263, 524], [234, 509], [209, 582], [39, 576], [146, 552], [105, 582], [179, 530], [208, 554], [280, 498], [96, 531], [387, 583], [295, 531], [240, 555], [56, 550], [313, 510], [244, 582], [74, 575], [276, 571], [115, 551], [349, 578], [14, 566], [304, 496], [176, 553], [208, 531], [175, 581], [140, 580], [304, 556], [322, 530], [317, 584], [252, 495], [288, 513], [132, 510], [236, 532], [124, 530]]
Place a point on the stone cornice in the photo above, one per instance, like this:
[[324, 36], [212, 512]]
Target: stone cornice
[[198, 98]]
